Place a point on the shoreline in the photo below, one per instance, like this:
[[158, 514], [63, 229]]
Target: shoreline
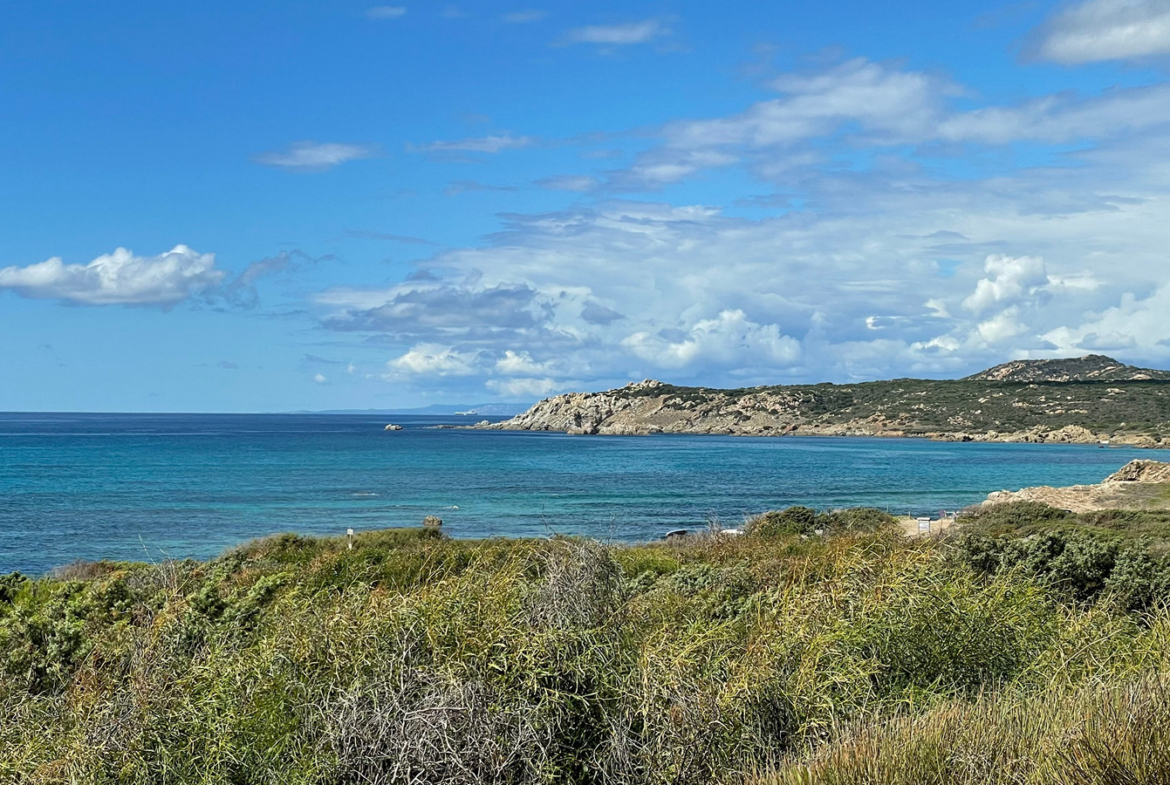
[[1139, 441]]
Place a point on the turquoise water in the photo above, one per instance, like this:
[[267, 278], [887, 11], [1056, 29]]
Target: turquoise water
[[91, 486]]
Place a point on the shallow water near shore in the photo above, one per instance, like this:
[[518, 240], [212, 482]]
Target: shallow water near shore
[[118, 486]]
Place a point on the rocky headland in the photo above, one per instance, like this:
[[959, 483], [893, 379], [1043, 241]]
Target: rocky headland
[[1079, 401], [1139, 485]]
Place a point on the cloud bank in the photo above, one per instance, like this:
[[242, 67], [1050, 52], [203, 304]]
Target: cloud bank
[[1100, 30]]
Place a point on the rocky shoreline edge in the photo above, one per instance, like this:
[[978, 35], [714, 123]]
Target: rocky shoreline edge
[[1139, 485], [651, 407]]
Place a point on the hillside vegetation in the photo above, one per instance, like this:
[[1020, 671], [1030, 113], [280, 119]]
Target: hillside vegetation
[[1090, 368], [1032, 648], [1081, 400]]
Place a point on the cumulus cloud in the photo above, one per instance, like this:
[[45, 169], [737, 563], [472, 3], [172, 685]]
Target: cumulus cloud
[[869, 263], [1107, 30], [727, 340], [435, 360], [310, 156], [956, 276], [515, 363], [620, 34], [1010, 281], [1133, 323], [118, 278]]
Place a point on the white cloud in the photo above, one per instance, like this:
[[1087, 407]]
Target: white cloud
[[386, 12], [938, 308], [496, 143], [319, 378], [874, 263], [619, 35], [1082, 281], [787, 297], [435, 360], [898, 105], [1107, 30], [1135, 322], [727, 340], [314, 156], [943, 343], [515, 363], [118, 278], [860, 104], [1060, 118], [1004, 325], [1010, 281], [526, 388]]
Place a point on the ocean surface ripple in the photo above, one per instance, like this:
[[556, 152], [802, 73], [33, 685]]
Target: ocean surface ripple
[[119, 486]]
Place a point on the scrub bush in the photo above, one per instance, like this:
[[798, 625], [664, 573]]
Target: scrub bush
[[413, 658]]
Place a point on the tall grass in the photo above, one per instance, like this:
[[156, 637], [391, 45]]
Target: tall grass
[[1099, 734], [416, 659]]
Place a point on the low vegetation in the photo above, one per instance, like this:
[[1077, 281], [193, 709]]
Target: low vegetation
[[816, 648], [919, 406]]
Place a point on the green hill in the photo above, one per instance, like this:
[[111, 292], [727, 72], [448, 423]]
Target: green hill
[[1084, 400]]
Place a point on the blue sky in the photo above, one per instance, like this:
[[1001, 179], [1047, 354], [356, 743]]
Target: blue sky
[[273, 206]]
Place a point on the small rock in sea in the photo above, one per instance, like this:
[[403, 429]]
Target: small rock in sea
[[392, 427], [675, 534], [482, 423], [433, 521]]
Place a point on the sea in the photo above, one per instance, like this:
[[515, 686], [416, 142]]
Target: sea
[[158, 486]]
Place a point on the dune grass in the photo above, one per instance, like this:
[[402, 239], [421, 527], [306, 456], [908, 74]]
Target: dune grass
[[412, 658]]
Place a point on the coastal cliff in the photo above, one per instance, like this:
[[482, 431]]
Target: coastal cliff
[[1085, 400]]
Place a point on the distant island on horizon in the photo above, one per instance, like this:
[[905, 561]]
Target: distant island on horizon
[[1083, 400]]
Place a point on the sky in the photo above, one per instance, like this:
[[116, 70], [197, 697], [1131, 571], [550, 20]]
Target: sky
[[261, 206]]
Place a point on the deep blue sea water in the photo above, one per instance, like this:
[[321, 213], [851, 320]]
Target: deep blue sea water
[[92, 486]]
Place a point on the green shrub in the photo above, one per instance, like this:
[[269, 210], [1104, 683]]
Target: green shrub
[[858, 519], [1139, 581], [806, 521], [422, 659], [1013, 517], [10, 586], [1075, 564], [784, 523]]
